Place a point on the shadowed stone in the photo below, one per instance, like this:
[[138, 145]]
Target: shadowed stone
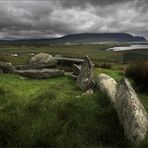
[[107, 85], [40, 74], [85, 78], [6, 67], [132, 115], [41, 60], [76, 69], [66, 63]]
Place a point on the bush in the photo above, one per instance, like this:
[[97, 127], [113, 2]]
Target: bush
[[139, 73]]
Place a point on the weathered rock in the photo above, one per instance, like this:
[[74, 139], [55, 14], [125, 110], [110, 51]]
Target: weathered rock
[[22, 67], [67, 63], [76, 69], [42, 60], [40, 74], [89, 92], [6, 67], [85, 78], [131, 112], [107, 85]]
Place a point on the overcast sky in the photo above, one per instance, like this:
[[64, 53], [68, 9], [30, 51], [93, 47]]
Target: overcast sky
[[51, 18]]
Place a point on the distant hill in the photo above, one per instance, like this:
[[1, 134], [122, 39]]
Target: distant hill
[[88, 38], [96, 37]]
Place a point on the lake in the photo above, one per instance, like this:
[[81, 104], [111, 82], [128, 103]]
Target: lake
[[121, 48]]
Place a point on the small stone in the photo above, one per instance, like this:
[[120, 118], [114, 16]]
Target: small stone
[[77, 97], [89, 92]]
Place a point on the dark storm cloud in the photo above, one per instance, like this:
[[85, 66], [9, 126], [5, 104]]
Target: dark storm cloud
[[84, 3], [49, 18]]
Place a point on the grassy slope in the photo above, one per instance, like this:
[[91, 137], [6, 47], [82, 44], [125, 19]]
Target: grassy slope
[[47, 113]]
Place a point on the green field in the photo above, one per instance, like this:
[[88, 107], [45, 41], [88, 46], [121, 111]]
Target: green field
[[96, 52], [34, 114], [49, 113]]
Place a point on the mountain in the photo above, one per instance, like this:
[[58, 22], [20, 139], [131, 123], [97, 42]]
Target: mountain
[[96, 37], [90, 38]]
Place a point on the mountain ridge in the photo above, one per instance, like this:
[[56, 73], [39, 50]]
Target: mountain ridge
[[86, 38]]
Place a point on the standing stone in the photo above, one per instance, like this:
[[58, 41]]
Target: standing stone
[[131, 112], [107, 85], [41, 60], [85, 78]]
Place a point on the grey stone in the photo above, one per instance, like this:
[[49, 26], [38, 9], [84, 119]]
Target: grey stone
[[22, 67], [85, 78], [76, 69], [89, 92], [40, 74], [107, 85], [71, 60], [6, 67], [67, 63], [132, 114], [42, 60]]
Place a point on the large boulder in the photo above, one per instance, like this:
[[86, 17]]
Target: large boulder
[[85, 77], [41, 60], [132, 115], [107, 85], [40, 74], [6, 67]]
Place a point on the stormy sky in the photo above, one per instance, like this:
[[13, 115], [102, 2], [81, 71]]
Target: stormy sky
[[53, 18]]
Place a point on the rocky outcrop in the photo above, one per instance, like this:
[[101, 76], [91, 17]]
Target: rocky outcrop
[[41, 60], [40, 74], [107, 85], [131, 112], [6, 67], [85, 78]]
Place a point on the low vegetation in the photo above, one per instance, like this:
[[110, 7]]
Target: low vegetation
[[139, 73], [34, 114]]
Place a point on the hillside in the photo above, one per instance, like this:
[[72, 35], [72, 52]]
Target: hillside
[[85, 38]]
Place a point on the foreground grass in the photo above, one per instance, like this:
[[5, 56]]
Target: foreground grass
[[48, 113]]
